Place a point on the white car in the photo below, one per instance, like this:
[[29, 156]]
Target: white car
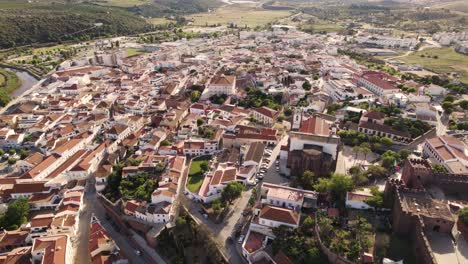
[[277, 162], [241, 239]]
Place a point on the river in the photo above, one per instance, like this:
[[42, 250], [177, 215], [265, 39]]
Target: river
[[27, 81]]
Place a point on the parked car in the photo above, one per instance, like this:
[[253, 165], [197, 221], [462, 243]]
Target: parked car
[[277, 168], [277, 162], [138, 252], [241, 239]]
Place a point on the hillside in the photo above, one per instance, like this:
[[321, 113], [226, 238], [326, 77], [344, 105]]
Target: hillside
[[41, 21], [59, 22]]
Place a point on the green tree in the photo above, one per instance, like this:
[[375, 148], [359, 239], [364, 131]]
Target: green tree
[[404, 153], [463, 216], [194, 96], [337, 185], [200, 121], [360, 179], [232, 191], [377, 171], [365, 149], [306, 86], [24, 153], [165, 143], [11, 161], [376, 200], [437, 168], [447, 106], [308, 225], [180, 221], [16, 215], [390, 158], [204, 166], [307, 179], [217, 207], [386, 142], [281, 118], [463, 104]]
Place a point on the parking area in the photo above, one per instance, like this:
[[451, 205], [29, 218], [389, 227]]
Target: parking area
[[272, 164]]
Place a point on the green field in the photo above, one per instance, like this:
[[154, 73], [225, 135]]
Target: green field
[[241, 14], [8, 81], [440, 60], [322, 26], [457, 6], [160, 21], [131, 52], [195, 176]]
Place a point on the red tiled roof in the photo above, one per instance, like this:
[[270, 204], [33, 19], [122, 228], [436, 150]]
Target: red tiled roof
[[267, 111], [316, 126], [280, 214]]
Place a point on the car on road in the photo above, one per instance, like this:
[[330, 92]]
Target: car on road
[[205, 216], [138, 252], [241, 239], [277, 168], [253, 183], [260, 176], [277, 162]]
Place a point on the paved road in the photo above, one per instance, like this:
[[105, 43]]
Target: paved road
[[93, 206], [222, 231]]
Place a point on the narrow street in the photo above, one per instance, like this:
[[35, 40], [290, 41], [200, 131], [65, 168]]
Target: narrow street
[[222, 231], [93, 206]]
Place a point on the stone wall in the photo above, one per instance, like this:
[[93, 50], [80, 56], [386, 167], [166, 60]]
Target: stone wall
[[409, 224]]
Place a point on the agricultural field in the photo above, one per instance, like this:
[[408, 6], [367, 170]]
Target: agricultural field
[[321, 26], [160, 21], [240, 14], [457, 6], [440, 60], [122, 3]]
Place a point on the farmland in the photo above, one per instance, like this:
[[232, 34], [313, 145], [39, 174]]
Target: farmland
[[440, 60], [240, 14]]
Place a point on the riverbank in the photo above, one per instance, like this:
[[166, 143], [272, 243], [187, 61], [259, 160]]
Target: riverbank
[[14, 83], [9, 81]]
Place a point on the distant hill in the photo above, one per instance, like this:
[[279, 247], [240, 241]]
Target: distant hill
[[39, 21]]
